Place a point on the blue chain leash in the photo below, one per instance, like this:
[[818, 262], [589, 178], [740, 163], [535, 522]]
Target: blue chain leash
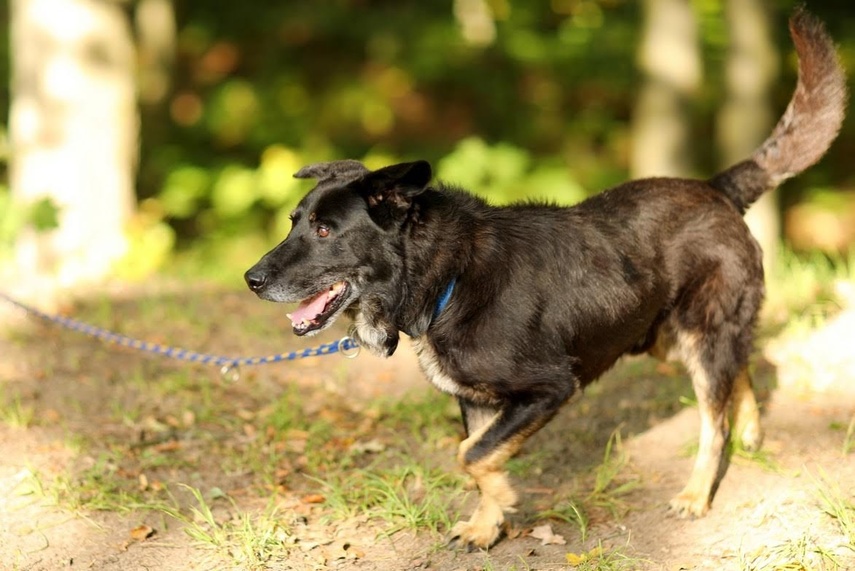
[[229, 366]]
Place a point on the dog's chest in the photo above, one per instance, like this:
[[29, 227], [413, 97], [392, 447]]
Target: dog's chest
[[433, 369]]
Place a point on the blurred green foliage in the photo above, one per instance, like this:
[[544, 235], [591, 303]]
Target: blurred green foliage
[[534, 102], [538, 112], [40, 215]]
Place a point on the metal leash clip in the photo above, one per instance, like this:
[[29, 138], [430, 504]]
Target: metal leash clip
[[348, 346]]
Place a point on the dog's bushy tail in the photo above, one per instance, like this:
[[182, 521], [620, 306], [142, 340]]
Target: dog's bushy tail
[[808, 126]]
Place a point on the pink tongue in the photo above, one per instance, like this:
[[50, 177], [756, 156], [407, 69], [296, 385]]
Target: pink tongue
[[310, 308]]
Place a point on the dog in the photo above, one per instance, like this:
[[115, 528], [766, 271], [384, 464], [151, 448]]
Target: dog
[[514, 309]]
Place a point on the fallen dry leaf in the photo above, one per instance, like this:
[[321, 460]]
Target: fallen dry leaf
[[168, 446], [313, 499], [142, 532], [354, 552], [373, 446], [244, 414], [546, 536]]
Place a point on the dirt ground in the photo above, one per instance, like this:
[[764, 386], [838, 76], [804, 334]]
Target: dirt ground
[[94, 438]]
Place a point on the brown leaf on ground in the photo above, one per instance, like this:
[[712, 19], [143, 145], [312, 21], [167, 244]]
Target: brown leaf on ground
[[142, 532], [169, 446], [546, 536], [313, 499]]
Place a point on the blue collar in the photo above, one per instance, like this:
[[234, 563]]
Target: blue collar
[[444, 298]]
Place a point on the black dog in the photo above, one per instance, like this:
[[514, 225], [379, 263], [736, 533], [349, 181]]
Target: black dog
[[514, 309]]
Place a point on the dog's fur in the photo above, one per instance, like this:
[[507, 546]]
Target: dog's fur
[[545, 299]]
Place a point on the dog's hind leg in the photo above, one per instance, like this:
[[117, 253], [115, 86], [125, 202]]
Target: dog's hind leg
[[746, 415], [714, 328], [712, 390], [494, 436]]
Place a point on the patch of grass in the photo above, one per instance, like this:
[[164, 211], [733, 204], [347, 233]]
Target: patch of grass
[[837, 504], [286, 413], [91, 491], [98, 487], [849, 436], [849, 440], [800, 554], [283, 439], [762, 458], [407, 496], [804, 285], [251, 541], [608, 489], [527, 464], [429, 417], [15, 414], [600, 559], [570, 512], [31, 485], [97, 483]]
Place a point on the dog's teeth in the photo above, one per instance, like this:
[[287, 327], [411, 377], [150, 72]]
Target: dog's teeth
[[335, 289]]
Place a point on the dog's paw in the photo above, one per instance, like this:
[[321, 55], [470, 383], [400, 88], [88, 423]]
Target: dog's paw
[[686, 504], [472, 535], [750, 437]]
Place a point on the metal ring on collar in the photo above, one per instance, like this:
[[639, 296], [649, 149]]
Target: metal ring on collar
[[353, 351]]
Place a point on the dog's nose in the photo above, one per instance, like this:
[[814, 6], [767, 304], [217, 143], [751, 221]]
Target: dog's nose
[[255, 279]]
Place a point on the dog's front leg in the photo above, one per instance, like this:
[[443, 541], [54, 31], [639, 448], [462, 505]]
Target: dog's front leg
[[495, 434]]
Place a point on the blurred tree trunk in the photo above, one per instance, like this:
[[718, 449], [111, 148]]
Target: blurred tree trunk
[[746, 118], [669, 57], [73, 132], [156, 36]]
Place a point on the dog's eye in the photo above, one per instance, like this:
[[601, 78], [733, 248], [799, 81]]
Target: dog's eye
[[322, 231]]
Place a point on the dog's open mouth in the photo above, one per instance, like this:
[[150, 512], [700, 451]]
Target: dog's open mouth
[[313, 313]]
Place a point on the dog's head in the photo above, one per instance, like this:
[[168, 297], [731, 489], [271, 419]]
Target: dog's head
[[344, 241]]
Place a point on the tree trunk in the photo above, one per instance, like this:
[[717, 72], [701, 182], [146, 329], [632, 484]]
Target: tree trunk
[[156, 37], [669, 56], [73, 132], [746, 118]]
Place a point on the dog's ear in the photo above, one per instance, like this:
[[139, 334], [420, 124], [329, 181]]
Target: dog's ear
[[407, 179], [389, 191], [343, 171]]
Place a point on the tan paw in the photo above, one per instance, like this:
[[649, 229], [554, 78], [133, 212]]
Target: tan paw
[[686, 504], [474, 535], [750, 437]]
